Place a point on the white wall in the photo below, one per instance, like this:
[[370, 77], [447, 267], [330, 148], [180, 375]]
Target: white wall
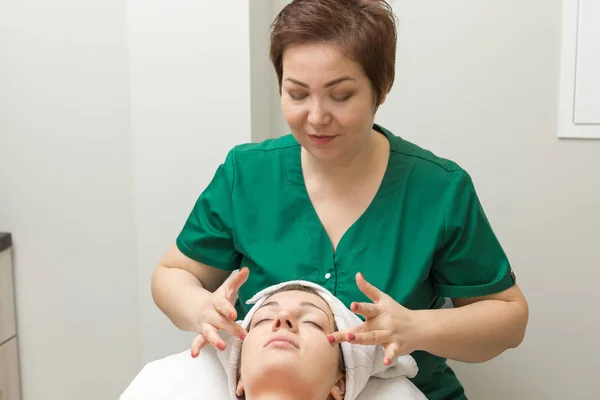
[[478, 83], [113, 118], [66, 195], [190, 103], [279, 125], [263, 80]]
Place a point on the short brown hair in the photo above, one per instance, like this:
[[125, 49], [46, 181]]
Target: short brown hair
[[365, 31]]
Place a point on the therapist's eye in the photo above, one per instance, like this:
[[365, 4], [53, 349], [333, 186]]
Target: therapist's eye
[[342, 98], [296, 96]]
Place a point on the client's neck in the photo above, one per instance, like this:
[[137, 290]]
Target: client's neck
[[273, 396], [284, 389], [283, 395]]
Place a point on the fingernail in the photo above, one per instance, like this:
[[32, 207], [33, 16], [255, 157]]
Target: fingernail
[[243, 336], [221, 346], [351, 337], [353, 306], [331, 339], [387, 361], [194, 355], [231, 316]]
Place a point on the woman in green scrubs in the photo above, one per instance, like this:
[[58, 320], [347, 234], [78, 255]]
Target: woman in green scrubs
[[388, 227]]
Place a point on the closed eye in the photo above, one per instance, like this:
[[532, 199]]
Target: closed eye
[[314, 323], [296, 97], [341, 99], [262, 320]]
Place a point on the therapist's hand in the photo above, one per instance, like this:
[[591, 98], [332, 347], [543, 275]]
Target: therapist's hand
[[218, 313], [386, 323]]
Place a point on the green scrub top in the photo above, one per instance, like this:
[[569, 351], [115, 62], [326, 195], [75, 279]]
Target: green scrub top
[[424, 237]]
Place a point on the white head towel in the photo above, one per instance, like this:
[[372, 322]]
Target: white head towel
[[362, 362]]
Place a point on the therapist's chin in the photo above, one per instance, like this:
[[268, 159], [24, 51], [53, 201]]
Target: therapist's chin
[[329, 152]]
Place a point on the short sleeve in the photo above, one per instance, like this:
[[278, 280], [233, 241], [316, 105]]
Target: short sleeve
[[207, 235], [470, 261]]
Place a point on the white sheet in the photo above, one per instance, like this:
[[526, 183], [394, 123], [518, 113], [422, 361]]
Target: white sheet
[[181, 377]]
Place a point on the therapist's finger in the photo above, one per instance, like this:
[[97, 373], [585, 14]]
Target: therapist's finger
[[367, 310], [235, 283], [197, 344], [392, 351], [369, 337], [225, 308], [235, 329], [230, 327], [210, 334], [342, 336], [369, 290]]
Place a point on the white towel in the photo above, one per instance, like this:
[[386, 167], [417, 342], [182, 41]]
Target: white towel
[[362, 362]]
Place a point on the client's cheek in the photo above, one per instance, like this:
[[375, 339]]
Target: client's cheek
[[249, 347], [324, 348]]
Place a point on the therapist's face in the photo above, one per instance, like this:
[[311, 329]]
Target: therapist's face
[[287, 351], [327, 100]]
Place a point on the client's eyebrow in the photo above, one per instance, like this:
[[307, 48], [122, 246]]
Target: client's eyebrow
[[309, 304], [302, 304]]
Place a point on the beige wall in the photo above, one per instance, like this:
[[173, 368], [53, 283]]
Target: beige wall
[[478, 83]]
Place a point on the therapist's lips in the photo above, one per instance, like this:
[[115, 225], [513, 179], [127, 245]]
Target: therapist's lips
[[322, 139], [282, 341]]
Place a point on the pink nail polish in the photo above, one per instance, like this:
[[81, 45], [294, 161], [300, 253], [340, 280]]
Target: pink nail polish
[[331, 339], [243, 336], [351, 337]]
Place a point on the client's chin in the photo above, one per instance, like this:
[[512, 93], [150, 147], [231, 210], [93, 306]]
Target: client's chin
[[279, 372]]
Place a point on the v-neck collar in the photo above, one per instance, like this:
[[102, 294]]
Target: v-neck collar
[[309, 217]]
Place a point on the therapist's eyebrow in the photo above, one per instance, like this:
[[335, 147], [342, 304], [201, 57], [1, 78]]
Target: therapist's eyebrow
[[302, 304], [328, 84]]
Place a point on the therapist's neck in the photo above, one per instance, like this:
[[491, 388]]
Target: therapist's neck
[[352, 166]]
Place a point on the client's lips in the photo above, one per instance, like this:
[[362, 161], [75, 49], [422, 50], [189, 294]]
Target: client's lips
[[282, 340]]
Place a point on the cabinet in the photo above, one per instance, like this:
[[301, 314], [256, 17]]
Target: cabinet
[[9, 353]]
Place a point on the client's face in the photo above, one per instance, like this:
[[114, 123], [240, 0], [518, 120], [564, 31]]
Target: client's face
[[287, 351]]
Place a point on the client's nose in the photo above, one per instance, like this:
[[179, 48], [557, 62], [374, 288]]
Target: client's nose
[[285, 319]]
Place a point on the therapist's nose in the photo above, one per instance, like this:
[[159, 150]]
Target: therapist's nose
[[318, 115], [285, 320]]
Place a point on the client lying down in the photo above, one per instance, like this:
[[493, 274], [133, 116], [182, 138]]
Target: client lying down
[[286, 355]]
